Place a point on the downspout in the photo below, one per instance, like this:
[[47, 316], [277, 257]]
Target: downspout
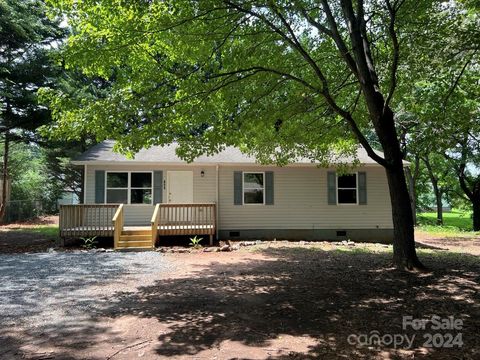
[[217, 204]]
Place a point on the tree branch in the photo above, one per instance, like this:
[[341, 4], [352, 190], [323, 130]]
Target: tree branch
[[365, 71], [396, 51], [293, 41], [456, 82], [342, 47], [324, 90], [273, 71]]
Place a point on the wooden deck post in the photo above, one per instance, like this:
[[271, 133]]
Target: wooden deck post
[[155, 220], [117, 225]]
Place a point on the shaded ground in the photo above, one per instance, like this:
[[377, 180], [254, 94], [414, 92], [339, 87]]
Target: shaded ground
[[277, 301], [36, 235]]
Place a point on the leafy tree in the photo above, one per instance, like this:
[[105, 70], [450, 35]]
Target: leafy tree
[[79, 90], [62, 174], [445, 99], [29, 176], [278, 79], [27, 36], [442, 179], [465, 159]]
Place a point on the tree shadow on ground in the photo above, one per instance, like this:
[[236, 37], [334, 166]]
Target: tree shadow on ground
[[300, 292], [50, 299], [326, 295]]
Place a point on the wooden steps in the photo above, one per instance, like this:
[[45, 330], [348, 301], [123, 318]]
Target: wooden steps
[[135, 239], [137, 232]]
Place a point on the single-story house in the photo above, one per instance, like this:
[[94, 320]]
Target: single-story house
[[228, 196]]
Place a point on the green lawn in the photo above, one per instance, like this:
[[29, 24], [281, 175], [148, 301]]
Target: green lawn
[[48, 231], [455, 221]]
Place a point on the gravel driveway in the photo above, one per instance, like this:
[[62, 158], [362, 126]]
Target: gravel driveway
[[48, 290]]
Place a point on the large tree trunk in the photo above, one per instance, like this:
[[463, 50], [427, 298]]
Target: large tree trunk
[[382, 117], [3, 205], [473, 194], [412, 185], [436, 190], [438, 202], [476, 213], [404, 253], [438, 197]]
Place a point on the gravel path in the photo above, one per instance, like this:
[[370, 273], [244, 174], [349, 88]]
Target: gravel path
[[48, 290]]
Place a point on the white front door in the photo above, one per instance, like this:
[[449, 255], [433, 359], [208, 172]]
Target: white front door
[[180, 187]]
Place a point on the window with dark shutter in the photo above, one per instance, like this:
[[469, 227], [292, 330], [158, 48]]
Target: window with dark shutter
[[347, 189]]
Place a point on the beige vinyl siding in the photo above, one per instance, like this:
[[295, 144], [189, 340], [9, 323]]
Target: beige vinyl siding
[[300, 196], [300, 202], [204, 188]]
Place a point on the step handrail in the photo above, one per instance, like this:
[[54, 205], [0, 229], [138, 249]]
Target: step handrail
[[155, 221], [118, 222]]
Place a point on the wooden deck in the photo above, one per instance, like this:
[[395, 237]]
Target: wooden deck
[[107, 220]]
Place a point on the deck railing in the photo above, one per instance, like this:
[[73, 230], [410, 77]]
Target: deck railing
[[187, 219], [117, 222], [86, 220], [155, 220], [108, 220]]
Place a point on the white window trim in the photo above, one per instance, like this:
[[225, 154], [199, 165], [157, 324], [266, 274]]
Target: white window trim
[[129, 188], [356, 189], [243, 187]]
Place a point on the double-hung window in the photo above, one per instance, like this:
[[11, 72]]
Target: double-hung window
[[253, 188], [117, 188], [347, 189], [129, 188]]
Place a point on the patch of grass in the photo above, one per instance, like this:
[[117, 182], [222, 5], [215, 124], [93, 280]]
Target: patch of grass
[[47, 231], [455, 222], [447, 256]]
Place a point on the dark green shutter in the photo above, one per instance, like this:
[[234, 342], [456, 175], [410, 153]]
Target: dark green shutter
[[99, 186], [237, 188], [362, 188], [157, 187], [332, 187], [268, 187]]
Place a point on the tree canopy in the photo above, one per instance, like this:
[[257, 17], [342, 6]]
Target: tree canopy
[[261, 75], [26, 39], [279, 79]]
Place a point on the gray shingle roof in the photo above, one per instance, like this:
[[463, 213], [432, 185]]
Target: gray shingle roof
[[103, 152]]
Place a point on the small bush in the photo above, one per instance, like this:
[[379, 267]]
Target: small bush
[[89, 243], [195, 242]]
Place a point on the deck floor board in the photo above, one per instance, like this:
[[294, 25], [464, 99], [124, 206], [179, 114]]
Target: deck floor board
[[163, 228]]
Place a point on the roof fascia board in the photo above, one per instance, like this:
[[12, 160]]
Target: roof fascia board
[[149, 163]]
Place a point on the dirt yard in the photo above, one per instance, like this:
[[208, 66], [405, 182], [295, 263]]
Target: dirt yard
[[273, 301], [30, 236]]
